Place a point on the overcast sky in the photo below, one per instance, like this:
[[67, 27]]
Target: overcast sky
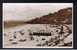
[[27, 11]]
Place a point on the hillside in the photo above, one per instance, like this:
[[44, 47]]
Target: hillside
[[63, 16]]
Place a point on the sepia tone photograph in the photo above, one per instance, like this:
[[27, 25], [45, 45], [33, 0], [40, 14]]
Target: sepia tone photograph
[[37, 25]]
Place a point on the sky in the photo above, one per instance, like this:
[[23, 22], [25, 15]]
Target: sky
[[28, 11]]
